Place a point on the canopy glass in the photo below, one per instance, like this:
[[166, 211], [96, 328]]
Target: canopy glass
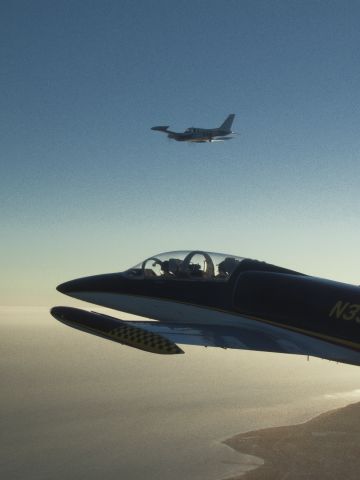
[[187, 265]]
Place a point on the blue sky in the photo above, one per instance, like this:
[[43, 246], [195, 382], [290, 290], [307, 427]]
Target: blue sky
[[86, 186]]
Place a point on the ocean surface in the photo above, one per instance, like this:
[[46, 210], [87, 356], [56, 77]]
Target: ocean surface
[[76, 406]]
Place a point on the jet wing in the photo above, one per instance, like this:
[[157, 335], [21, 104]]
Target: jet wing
[[164, 337], [253, 335], [212, 335]]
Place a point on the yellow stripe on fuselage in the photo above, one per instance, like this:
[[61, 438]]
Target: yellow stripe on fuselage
[[310, 333]]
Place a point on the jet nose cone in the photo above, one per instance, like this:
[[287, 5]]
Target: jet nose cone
[[66, 287], [96, 283], [62, 287], [77, 285]]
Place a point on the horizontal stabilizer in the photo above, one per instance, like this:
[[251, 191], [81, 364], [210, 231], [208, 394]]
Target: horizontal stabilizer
[[161, 128], [115, 329]]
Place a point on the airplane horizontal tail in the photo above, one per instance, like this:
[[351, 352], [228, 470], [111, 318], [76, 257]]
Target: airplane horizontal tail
[[161, 128]]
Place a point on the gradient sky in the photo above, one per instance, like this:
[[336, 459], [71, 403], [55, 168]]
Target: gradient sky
[[86, 187]]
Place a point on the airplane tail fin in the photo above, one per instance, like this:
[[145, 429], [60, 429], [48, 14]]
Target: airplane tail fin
[[228, 122]]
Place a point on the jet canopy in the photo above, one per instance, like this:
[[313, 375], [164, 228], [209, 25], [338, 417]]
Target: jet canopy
[[187, 265]]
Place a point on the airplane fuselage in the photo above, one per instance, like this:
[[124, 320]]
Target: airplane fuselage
[[199, 135]]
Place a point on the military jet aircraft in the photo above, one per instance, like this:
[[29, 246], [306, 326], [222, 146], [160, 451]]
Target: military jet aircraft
[[220, 300], [201, 135]]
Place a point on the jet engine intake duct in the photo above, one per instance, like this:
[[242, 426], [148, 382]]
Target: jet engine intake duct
[[300, 302]]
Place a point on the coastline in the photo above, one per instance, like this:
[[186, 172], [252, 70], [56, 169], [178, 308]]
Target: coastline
[[327, 447]]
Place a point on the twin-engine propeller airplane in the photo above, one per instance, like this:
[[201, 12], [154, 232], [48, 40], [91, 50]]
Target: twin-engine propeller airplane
[[201, 135], [219, 300]]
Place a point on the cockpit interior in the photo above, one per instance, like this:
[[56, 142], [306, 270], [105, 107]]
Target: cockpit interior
[[187, 265]]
